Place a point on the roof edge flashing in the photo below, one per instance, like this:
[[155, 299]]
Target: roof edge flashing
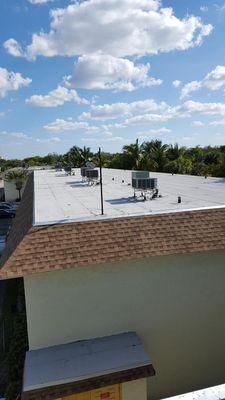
[[118, 217]]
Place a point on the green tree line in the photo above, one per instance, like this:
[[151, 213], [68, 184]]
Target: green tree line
[[152, 155]]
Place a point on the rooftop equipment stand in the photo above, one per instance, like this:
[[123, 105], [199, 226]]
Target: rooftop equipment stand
[[101, 188], [146, 186]]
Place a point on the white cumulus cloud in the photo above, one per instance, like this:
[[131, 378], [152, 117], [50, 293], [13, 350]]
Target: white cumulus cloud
[[54, 139], [116, 110], [65, 125], [40, 1], [190, 88], [137, 113], [11, 81], [204, 8], [153, 132], [13, 48], [105, 138], [19, 135], [147, 118], [214, 80], [204, 108], [61, 125], [97, 71], [197, 123], [220, 122], [160, 130], [117, 27], [176, 83], [220, 8], [56, 98], [15, 135]]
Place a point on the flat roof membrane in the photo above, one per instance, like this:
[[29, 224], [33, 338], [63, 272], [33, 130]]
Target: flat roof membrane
[[64, 198]]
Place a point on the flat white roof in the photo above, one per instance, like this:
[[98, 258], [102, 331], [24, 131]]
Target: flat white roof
[[212, 393], [62, 198]]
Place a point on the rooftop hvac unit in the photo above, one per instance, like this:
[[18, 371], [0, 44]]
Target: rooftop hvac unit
[[90, 165], [140, 174], [91, 174], [68, 169], [142, 183], [58, 167], [83, 171]]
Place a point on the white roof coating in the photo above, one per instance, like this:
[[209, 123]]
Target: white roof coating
[[63, 198], [212, 393], [83, 360]]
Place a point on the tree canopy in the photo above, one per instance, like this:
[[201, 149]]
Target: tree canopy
[[151, 155]]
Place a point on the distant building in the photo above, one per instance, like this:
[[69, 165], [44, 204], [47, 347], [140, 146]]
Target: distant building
[[2, 192], [113, 299], [10, 192]]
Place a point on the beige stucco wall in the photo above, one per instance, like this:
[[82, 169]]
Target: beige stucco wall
[[11, 193], [175, 303], [135, 390]]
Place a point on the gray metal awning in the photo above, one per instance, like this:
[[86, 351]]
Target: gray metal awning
[[86, 360]]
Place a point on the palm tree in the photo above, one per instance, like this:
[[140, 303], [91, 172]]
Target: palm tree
[[178, 162], [85, 154], [73, 156], [155, 154], [134, 153], [196, 154], [19, 177], [175, 152], [77, 156]]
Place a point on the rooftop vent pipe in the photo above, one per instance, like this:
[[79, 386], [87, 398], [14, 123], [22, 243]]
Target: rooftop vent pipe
[[101, 186]]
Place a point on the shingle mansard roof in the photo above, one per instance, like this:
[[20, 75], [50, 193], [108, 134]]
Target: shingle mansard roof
[[34, 249]]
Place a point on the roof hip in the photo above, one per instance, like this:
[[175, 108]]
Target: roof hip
[[32, 249]]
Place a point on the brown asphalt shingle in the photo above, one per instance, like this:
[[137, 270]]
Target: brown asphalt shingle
[[31, 249]]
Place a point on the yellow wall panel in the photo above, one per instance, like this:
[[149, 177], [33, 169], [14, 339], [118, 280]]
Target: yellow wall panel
[[105, 393], [79, 396]]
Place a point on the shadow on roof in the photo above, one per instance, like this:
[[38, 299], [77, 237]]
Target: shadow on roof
[[77, 184], [220, 181], [124, 200]]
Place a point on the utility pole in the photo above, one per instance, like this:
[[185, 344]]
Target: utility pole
[[101, 188]]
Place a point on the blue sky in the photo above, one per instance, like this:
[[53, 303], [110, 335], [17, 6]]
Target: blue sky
[[104, 72]]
